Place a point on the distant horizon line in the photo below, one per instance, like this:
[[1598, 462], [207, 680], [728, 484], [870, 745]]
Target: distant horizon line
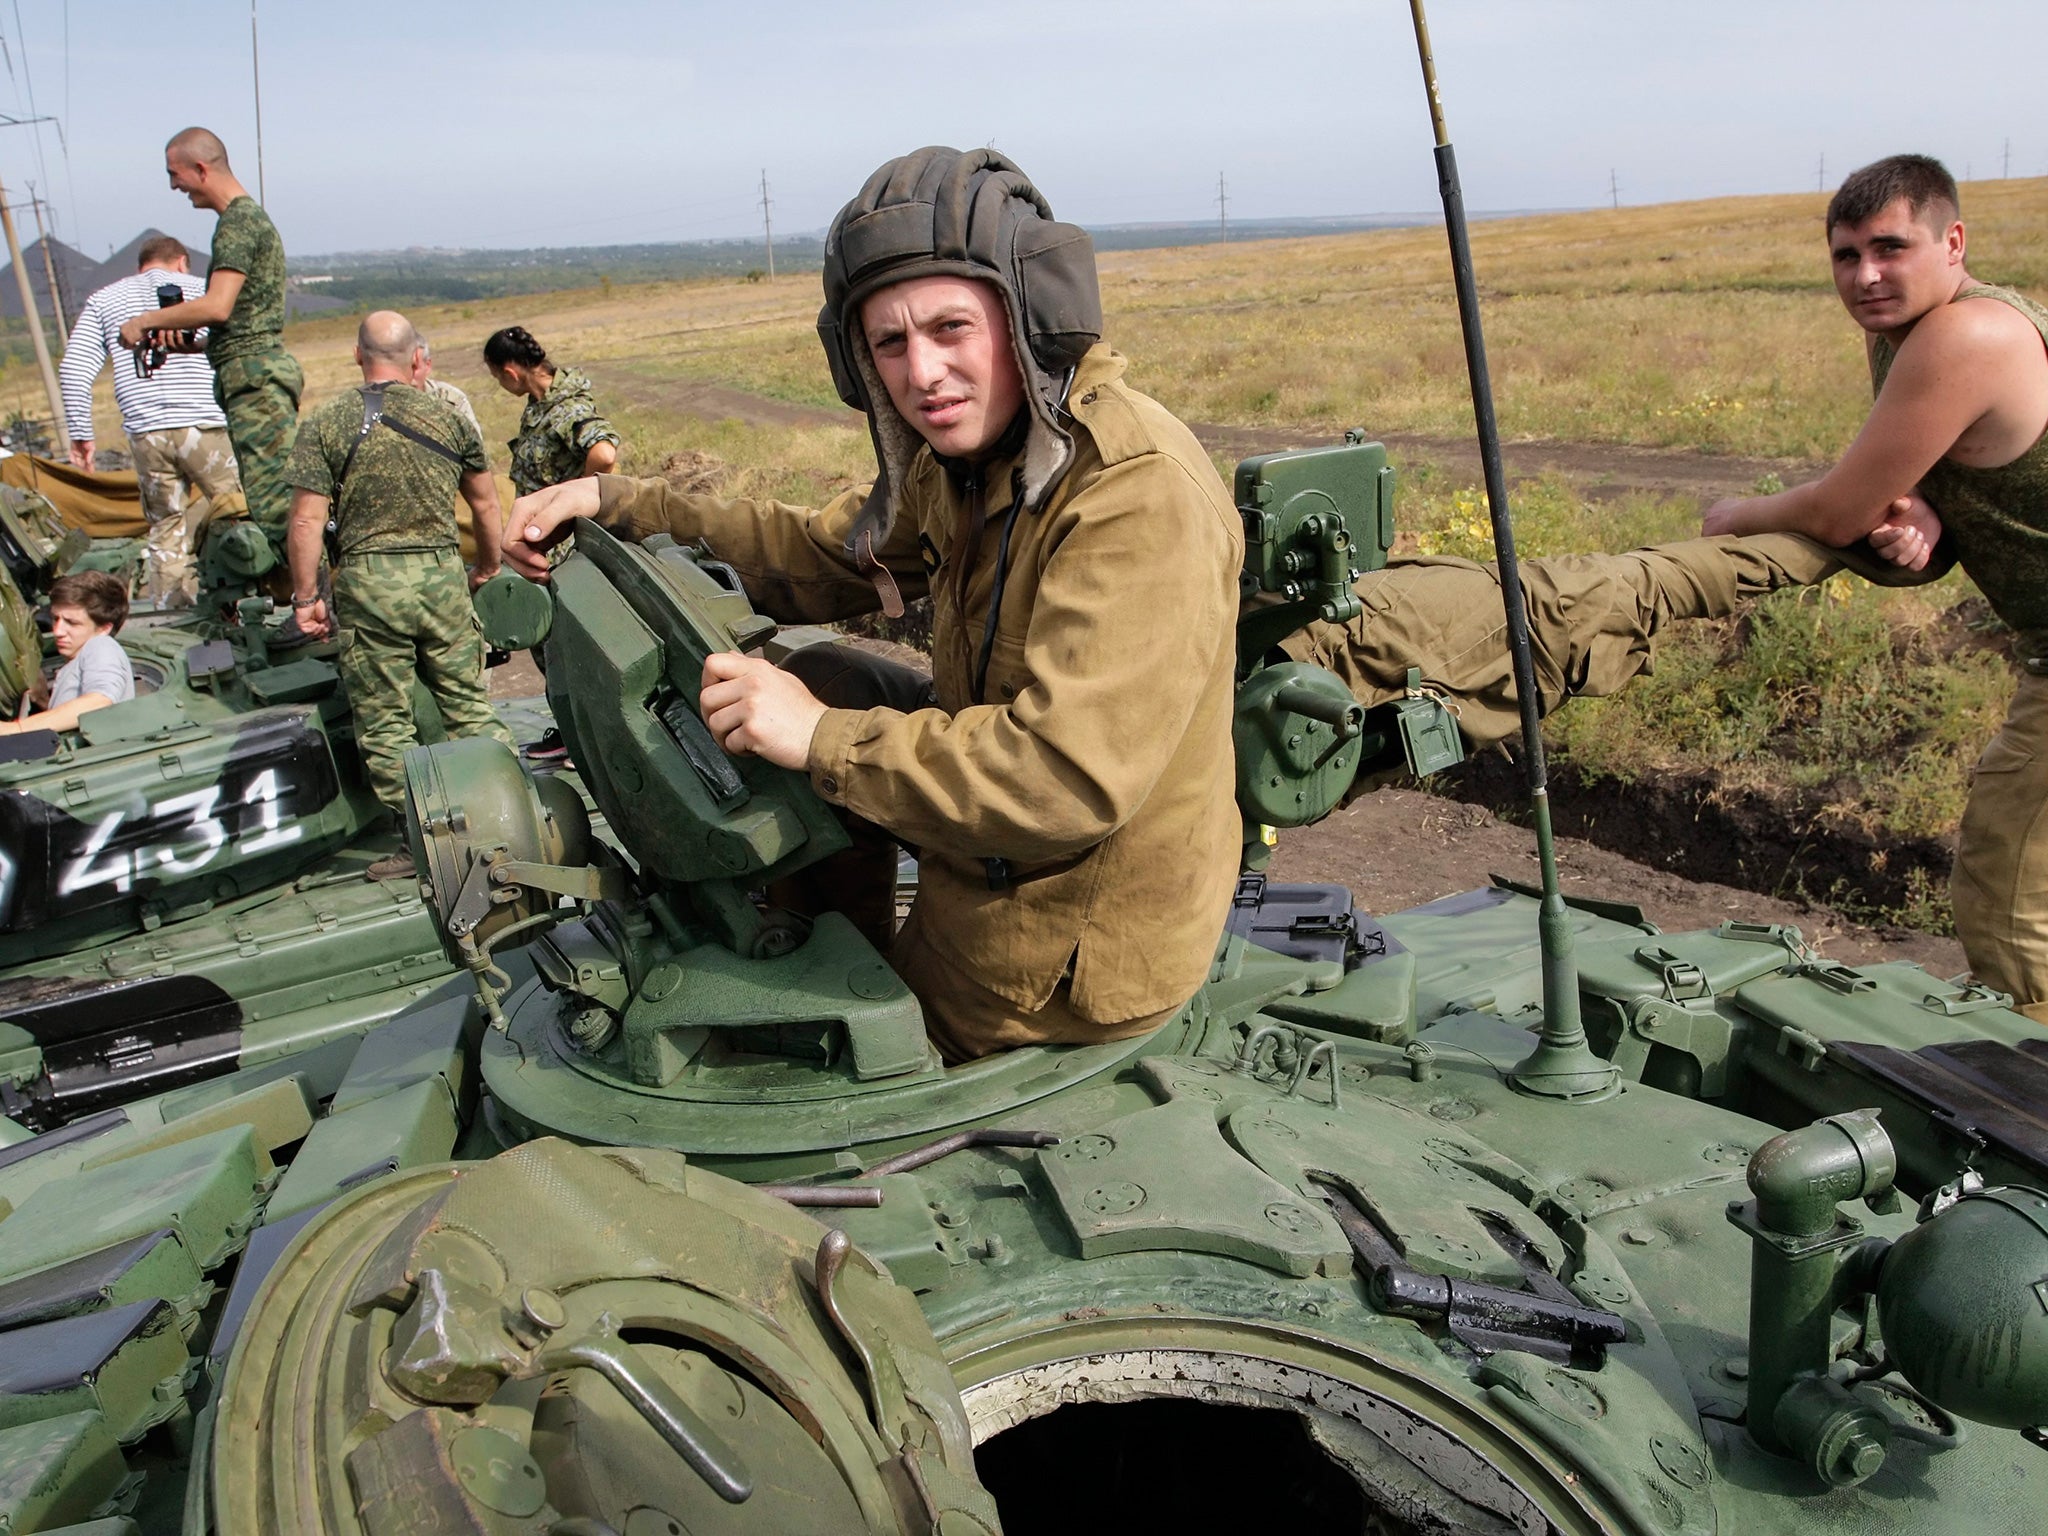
[[1341, 221]]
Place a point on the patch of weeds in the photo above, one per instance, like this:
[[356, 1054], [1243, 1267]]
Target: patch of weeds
[[1924, 907]]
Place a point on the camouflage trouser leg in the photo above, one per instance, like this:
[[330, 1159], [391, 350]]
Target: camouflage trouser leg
[[186, 475], [403, 616], [2000, 887], [260, 394], [1592, 619]]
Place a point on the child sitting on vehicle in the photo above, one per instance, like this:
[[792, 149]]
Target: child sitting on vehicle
[[87, 609]]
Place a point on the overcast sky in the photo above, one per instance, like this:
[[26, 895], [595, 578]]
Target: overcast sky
[[535, 122]]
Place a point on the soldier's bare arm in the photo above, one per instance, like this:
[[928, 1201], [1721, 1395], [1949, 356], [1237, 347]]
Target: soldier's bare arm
[[1951, 379], [602, 459], [64, 717], [303, 540], [481, 492], [223, 287]]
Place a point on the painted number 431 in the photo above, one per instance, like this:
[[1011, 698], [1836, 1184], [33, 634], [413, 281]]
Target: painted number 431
[[194, 837]]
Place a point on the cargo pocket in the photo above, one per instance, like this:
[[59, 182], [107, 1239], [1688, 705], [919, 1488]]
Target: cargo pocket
[[2002, 756]]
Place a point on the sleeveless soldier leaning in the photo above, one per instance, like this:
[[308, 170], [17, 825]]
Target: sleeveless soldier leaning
[[1999, 521], [401, 598], [1951, 467]]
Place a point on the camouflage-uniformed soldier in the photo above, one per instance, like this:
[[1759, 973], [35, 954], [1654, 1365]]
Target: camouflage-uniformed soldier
[[561, 432], [561, 437], [256, 381], [390, 458], [423, 378]]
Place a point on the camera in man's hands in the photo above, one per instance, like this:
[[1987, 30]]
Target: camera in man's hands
[[155, 350]]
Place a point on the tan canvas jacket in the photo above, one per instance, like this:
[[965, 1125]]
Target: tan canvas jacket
[[1099, 761]]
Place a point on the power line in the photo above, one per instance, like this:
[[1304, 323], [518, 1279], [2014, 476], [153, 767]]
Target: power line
[[767, 229], [63, 138], [2006, 174], [1222, 209], [1820, 180], [28, 76], [1613, 188]]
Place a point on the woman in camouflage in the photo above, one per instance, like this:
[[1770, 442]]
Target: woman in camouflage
[[561, 437], [561, 433]]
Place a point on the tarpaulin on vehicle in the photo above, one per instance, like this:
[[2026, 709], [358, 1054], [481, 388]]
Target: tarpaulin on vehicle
[[107, 506]]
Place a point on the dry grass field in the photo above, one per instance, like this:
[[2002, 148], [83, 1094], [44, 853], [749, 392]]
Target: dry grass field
[[1700, 333]]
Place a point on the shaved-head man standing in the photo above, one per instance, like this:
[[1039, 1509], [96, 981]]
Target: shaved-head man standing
[[388, 458], [256, 381]]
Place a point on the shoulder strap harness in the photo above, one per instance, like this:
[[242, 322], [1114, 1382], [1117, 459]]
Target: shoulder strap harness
[[373, 413]]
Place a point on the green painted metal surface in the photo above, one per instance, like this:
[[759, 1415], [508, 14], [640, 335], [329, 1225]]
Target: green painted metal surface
[[184, 891], [1315, 1195]]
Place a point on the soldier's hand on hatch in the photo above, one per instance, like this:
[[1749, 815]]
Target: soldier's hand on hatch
[[479, 574], [1908, 534], [537, 521], [755, 708]]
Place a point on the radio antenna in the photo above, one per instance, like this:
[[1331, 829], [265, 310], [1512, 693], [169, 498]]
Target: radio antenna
[[1563, 1066]]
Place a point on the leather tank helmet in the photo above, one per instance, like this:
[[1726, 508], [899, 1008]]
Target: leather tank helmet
[[953, 213]]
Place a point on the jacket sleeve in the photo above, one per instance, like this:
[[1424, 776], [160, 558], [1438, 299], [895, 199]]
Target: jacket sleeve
[[792, 560], [1135, 600], [83, 359]]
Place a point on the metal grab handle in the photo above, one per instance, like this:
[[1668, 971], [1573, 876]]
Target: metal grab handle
[[666, 1413], [1345, 716], [946, 1146], [832, 1252]]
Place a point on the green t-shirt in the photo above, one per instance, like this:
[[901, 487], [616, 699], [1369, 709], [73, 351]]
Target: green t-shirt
[[399, 494], [245, 241], [1998, 517]]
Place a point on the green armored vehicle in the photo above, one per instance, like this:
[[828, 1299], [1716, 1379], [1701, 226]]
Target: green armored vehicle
[[1397, 1227], [181, 887]]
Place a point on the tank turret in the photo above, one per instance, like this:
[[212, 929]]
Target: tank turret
[[181, 879]]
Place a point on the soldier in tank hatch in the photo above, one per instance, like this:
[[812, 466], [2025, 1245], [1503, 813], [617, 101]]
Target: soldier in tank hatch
[[1066, 772], [389, 459], [87, 610], [1957, 443], [256, 381]]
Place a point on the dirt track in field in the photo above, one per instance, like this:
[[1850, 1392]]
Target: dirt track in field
[[1601, 469]]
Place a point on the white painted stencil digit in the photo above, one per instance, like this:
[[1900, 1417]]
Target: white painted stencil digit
[[197, 838]]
